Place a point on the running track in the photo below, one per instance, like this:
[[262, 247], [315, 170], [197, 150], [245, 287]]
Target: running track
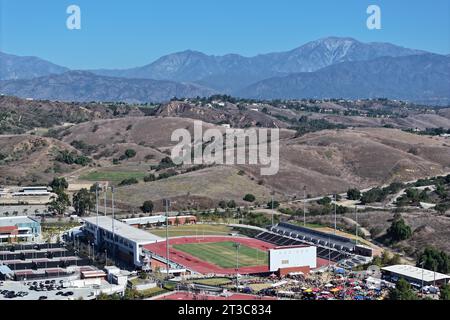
[[194, 263], [203, 267]]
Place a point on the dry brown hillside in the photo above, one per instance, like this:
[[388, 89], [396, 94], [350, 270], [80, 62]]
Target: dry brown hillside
[[30, 159], [339, 159], [324, 161]]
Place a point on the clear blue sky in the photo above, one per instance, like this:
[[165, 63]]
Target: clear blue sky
[[120, 34]]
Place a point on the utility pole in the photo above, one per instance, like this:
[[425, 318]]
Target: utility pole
[[304, 206], [422, 264], [335, 218], [112, 224], [272, 210], [237, 246], [106, 191], [356, 225], [96, 209], [166, 203]]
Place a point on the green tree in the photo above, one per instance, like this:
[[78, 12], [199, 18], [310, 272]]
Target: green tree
[[83, 201], [249, 198], [399, 231], [128, 181], [434, 259], [150, 177], [353, 194], [231, 204], [276, 204], [324, 201], [130, 153], [147, 206], [59, 203], [222, 204], [445, 292], [402, 291], [59, 184]]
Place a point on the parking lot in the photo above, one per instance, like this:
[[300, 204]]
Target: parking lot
[[44, 290]]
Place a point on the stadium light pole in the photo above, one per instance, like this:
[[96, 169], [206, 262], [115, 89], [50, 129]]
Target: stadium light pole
[[237, 246], [112, 224], [356, 225], [422, 264], [166, 203], [335, 218], [272, 209], [96, 209], [106, 191], [304, 206]]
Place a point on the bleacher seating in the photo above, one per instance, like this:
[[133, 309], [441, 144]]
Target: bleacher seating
[[323, 251]]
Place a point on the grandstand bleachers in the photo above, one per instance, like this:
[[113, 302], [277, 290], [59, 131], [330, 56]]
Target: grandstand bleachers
[[329, 246]]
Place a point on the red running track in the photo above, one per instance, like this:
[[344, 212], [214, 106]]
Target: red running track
[[194, 263]]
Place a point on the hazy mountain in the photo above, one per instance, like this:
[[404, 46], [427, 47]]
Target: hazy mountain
[[85, 86], [421, 78], [15, 67], [232, 71]]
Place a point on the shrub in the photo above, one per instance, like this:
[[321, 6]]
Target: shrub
[[129, 181], [130, 153], [249, 198]]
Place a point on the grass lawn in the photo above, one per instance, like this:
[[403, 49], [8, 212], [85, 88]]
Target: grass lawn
[[223, 254], [213, 281], [152, 292], [113, 176], [194, 230]]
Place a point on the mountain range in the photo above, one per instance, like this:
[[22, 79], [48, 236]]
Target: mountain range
[[329, 67]]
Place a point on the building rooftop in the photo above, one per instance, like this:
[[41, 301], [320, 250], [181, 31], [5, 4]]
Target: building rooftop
[[123, 230], [14, 221], [145, 220], [416, 273]]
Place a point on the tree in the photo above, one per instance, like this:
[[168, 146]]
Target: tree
[[59, 203], [249, 198], [83, 201], [353, 194], [59, 185], [130, 153], [231, 204], [324, 201], [276, 204], [399, 231], [128, 181], [445, 292], [434, 259], [95, 187], [147, 206], [222, 204], [402, 291], [150, 177]]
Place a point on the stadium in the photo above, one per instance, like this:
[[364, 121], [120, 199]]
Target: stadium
[[270, 250]]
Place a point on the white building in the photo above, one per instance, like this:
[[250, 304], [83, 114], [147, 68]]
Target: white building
[[414, 275], [292, 257], [124, 241], [19, 229]]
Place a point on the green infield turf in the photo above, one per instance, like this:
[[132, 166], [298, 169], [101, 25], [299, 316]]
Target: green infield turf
[[223, 254]]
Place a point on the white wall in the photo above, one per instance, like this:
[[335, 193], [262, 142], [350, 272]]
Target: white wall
[[292, 257]]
